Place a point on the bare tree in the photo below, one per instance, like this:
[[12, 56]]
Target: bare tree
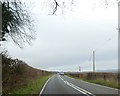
[[16, 22], [68, 4], [62, 4]]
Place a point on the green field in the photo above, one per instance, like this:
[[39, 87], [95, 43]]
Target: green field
[[33, 87]]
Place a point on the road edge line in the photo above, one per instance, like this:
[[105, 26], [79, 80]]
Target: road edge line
[[45, 85]]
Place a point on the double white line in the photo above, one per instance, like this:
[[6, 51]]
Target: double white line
[[78, 88]]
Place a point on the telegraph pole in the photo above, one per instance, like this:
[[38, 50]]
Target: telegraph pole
[[93, 61], [79, 69]]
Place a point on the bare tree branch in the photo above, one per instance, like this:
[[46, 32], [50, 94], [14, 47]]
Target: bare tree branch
[[16, 22]]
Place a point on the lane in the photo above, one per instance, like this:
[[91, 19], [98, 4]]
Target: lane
[[92, 88], [67, 85], [57, 86]]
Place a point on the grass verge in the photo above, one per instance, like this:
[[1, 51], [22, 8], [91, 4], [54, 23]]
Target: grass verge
[[100, 82], [33, 87], [104, 83]]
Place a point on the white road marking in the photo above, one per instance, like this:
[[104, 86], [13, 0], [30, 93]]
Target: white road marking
[[45, 85], [97, 84], [80, 89], [61, 78], [77, 88]]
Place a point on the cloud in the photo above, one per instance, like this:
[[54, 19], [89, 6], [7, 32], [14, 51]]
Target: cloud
[[64, 44]]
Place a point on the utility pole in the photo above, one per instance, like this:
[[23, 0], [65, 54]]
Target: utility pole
[[79, 69], [93, 61]]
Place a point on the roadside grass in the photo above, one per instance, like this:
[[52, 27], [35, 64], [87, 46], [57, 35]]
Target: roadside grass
[[100, 82], [104, 83], [33, 87]]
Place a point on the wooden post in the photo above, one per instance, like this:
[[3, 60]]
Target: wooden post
[[79, 69], [93, 61]]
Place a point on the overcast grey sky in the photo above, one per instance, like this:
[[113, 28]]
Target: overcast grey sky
[[66, 41]]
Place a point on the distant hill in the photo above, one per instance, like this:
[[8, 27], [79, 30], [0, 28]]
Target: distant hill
[[109, 70]]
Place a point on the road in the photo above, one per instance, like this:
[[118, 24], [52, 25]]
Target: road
[[66, 85]]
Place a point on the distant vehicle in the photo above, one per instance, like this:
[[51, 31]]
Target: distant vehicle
[[61, 73]]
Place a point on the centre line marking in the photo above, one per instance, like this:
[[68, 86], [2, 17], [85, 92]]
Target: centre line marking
[[77, 88]]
